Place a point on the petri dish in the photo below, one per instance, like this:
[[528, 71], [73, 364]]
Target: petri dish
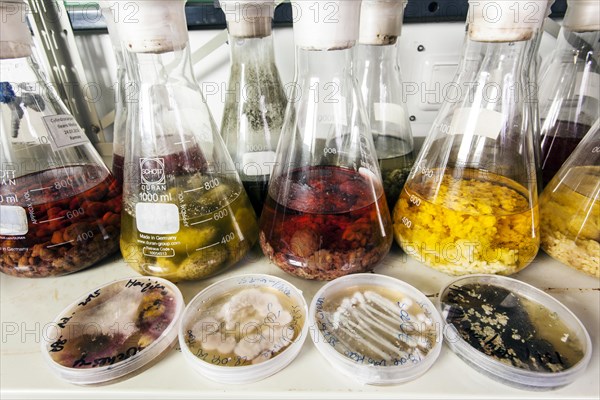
[[244, 329], [514, 332], [376, 329], [113, 330]]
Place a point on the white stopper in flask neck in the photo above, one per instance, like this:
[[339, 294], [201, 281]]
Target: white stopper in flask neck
[[381, 21], [326, 24], [582, 16], [505, 20], [248, 18], [150, 26], [15, 37]]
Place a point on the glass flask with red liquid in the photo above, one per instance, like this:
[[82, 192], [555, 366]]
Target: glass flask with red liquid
[[570, 86], [59, 205], [326, 214], [186, 215]]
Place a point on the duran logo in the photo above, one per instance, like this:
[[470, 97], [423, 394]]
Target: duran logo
[[152, 171]]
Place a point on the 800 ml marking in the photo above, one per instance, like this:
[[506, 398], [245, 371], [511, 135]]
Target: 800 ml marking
[[213, 183], [427, 172]]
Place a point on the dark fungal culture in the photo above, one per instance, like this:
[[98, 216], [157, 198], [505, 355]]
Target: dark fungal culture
[[510, 328]]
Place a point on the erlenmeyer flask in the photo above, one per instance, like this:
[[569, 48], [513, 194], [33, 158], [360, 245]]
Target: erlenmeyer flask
[[533, 91], [326, 214], [185, 212], [570, 208], [120, 87], [379, 75], [255, 102], [570, 86], [59, 205], [470, 202]]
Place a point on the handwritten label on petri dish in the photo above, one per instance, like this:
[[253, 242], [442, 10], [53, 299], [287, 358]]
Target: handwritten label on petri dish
[[264, 281], [112, 324], [374, 326]]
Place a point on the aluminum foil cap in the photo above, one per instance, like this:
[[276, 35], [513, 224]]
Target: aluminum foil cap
[[381, 21], [582, 15], [150, 26], [15, 37], [326, 24], [505, 20]]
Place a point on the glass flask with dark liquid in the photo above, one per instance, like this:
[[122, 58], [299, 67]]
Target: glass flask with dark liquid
[[326, 214], [185, 215], [570, 86], [380, 80], [470, 202], [59, 205], [557, 144], [255, 100], [121, 88]]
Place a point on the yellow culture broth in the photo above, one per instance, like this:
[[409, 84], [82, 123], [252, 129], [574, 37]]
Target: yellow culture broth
[[571, 220], [479, 223]]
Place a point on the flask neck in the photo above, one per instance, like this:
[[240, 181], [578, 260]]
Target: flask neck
[[380, 61], [503, 63], [172, 67], [328, 64], [578, 47], [386, 54], [255, 50]]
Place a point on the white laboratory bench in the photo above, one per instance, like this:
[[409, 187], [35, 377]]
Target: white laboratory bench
[[28, 305]]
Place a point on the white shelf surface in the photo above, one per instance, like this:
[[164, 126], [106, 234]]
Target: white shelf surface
[[28, 305]]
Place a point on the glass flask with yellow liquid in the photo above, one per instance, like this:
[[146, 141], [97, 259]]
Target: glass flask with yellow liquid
[[470, 203], [185, 213], [570, 208]]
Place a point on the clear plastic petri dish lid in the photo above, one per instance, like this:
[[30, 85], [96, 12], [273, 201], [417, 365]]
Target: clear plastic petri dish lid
[[114, 330], [513, 332], [376, 329], [244, 329]]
